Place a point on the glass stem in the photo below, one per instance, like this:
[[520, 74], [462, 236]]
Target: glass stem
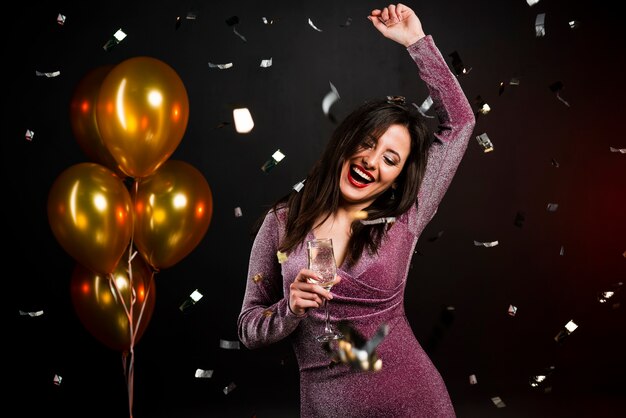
[[327, 327]]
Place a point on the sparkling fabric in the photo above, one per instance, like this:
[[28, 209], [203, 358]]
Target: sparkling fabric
[[371, 292]]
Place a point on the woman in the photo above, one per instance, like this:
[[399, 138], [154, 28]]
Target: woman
[[379, 161]]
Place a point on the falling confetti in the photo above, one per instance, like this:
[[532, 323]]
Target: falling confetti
[[620, 150], [31, 314], [204, 374], [243, 120], [556, 88], [194, 297], [424, 107], [485, 142], [540, 28], [483, 107], [353, 349], [552, 207], [532, 2], [554, 163], [221, 66], [472, 379], [273, 162], [539, 379], [240, 35], [231, 386], [562, 251], [457, 64], [57, 380], [61, 19], [512, 310], [566, 331], [486, 244], [116, 39], [229, 345], [49, 75], [299, 185], [257, 278], [29, 135], [574, 24], [238, 212], [498, 402], [281, 256], [604, 296], [331, 97], [266, 63], [191, 15], [387, 220], [313, 26]]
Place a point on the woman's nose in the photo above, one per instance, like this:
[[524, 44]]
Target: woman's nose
[[369, 160]]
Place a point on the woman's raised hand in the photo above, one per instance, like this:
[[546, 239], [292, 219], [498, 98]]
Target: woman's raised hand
[[398, 23]]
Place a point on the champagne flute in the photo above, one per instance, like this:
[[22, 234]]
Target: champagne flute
[[322, 262]]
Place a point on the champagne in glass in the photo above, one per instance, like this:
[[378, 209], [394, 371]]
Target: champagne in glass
[[322, 262]]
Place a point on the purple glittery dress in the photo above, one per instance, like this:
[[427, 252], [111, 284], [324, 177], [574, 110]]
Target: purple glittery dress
[[371, 291]]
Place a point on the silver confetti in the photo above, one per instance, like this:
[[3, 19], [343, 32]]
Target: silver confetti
[[29, 135], [539, 379], [388, 220], [57, 380], [425, 106], [562, 251], [552, 207], [32, 314], [540, 28], [238, 212], [194, 297], [229, 345], [497, 401], [486, 244], [273, 162], [620, 150], [116, 39], [240, 35], [512, 310], [566, 331], [485, 142], [472, 379], [266, 63], [204, 374], [191, 16], [49, 75], [313, 26], [605, 295], [573, 24], [532, 2], [231, 386], [331, 97], [298, 186], [221, 66], [61, 19]]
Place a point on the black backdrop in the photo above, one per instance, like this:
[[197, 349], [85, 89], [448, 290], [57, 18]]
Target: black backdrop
[[458, 293]]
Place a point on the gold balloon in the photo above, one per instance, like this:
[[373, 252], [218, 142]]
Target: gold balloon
[[90, 214], [100, 308], [173, 209], [83, 118], [142, 114]]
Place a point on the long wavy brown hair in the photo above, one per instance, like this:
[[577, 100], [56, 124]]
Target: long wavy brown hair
[[320, 196]]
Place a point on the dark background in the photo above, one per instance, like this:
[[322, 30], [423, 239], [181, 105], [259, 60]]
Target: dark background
[[458, 293]]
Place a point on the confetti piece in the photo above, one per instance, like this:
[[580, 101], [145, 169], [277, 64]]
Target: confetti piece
[[204, 374], [457, 64], [298, 186], [282, 257], [387, 220], [31, 314], [240, 35], [514, 82], [61, 19], [566, 331], [539, 379], [353, 349], [532, 2], [556, 88], [191, 15], [229, 345], [49, 75], [604, 296], [359, 215], [267, 21], [178, 23], [231, 386], [540, 27], [313, 26], [485, 142], [483, 107], [512, 310], [221, 66], [29, 135], [243, 120], [194, 297], [257, 278], [238, 212], [498, 402], [329, 99], [472, 379], [267, 313], [486, 244], [266, 63], [116, 39], [554, 163], [620, 150], [424, 107], [348, 23], [552, 207], [562, 251], [519, 219], [273, 162], [57, 380], [574, 24]]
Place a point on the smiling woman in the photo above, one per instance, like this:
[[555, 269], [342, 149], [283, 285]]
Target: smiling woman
[[379, 161]]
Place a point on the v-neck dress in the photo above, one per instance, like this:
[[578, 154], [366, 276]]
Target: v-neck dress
[[371, 291]]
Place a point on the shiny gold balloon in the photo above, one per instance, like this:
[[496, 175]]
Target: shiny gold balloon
[[90, 214], [142, 114], [173, 209], [100, 308], [83, 118]]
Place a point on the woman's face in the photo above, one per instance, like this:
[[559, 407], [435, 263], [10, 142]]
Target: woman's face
[[375, 166]]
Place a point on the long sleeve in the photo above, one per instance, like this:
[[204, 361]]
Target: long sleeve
[[456, 124], [265, 316]]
